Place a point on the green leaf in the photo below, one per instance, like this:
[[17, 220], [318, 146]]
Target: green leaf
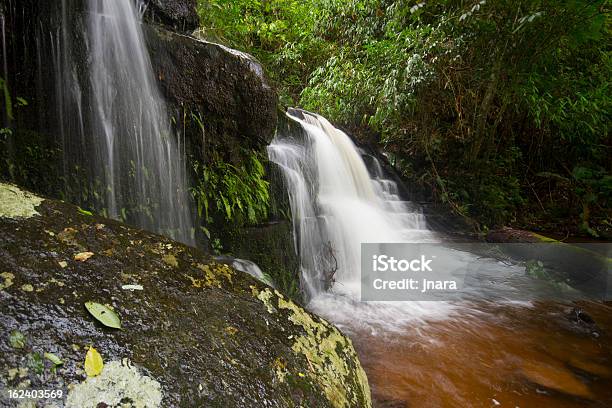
[[205, 231], [17, 339], [104, 314], [85, 212], [54, 359], [36, 363]]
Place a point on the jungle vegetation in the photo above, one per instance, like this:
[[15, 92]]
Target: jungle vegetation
[[497, 109]]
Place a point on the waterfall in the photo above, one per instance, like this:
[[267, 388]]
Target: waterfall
[[337, 204], [114, 125]]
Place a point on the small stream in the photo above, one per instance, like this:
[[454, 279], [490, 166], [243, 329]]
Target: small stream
[[484, 350]]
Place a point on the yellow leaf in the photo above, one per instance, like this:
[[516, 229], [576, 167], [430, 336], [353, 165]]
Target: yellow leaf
[[83, 256], [93, 362]]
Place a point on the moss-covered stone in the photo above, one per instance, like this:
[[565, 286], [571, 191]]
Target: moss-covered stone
[[331, 358], [215, 344], [179, 15], [271, 247], [16, 203]]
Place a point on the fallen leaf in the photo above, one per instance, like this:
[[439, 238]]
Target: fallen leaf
[[132, 287], [104, 314], [63, 264], [17, 339], [170, 260], [8, 280], [83, 256], [54, 359], [27, 288], [93, 362], [85, 212]]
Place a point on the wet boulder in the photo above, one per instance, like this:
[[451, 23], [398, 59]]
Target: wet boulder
[[194, 332], [220, 97], [178, 15]]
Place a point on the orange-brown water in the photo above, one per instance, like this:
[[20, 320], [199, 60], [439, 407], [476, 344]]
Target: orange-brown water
[[498, 356]]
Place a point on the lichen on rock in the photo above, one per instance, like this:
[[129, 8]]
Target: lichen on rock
[[266, 297], [117, 384], [16, 203], [215, 273], [7, 280], [331, 357]]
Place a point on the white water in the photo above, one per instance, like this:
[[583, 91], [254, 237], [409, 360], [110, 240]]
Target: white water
[[337, 205], [143, 164]]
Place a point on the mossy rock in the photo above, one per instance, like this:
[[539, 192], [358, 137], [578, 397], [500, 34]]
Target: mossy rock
[[583, 266], [198, 334]]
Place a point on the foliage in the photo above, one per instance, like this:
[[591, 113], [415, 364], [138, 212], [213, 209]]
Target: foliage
[[277, 32], [230, 193], [472, 99]]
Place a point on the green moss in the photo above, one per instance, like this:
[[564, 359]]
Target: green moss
[[271, 248], [542, 238], [15, 203]]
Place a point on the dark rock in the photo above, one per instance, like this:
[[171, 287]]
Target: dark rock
[[512, 235], [271, 247], [179, 15], [199, 334], [220, 96], [583, 322]]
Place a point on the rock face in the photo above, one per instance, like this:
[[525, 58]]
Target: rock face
[[198, 333], [220, 96], [180, 15], [272, 248], [220, 105]]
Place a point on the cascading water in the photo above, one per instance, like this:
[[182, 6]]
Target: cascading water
[[337, 205], [135, 150], [409, 348], [120, 154]]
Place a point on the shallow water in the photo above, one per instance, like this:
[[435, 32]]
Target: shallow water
[[487, 355]]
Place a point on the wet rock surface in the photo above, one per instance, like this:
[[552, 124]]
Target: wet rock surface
[[220, 96], [201, 332], [179, 15]]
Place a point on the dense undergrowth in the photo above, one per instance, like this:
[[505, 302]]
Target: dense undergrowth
[[499, 109]]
